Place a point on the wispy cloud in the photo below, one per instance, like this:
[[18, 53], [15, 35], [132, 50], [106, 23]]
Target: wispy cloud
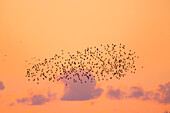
[[147, 95], [12, 104], [2, 87], [136, 92], [166, 111], [37, 99], [114, 94], [22, 100], [161, 95]]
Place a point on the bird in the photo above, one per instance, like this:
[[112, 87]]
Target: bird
[[106, 61]]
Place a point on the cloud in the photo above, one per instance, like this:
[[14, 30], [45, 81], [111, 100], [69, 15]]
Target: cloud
[[41, 99], [162, 94], [148, 95], [166, 111], [38, 99], [137, 92], [114, 94], [77, 91], [22, 100], [2, 87], [134, 92], [11, 104], [92, 103]]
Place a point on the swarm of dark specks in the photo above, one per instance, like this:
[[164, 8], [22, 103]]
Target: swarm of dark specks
[[105, 62]]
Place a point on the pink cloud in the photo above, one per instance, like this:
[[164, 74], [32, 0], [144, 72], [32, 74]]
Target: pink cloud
[[81, 87], [114, 94], [162, 94], [37, 99], [2, 87]]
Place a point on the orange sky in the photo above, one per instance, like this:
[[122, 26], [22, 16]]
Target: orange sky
[[41, 28]]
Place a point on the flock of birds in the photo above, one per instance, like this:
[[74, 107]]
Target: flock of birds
[[94, 63]]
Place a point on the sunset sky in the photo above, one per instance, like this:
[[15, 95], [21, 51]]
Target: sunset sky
[[42, 28]]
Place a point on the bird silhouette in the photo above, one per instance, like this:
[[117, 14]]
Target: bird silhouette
[[106, 61]]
